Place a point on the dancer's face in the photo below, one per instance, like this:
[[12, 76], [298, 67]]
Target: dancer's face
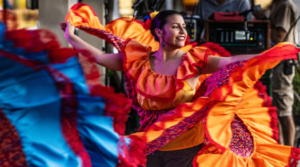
[[174, 33]]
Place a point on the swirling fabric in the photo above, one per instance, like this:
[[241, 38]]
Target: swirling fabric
[[240, 126], [54, 112]]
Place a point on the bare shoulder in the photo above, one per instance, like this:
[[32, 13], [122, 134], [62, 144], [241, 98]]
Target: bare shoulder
[[181, 53]]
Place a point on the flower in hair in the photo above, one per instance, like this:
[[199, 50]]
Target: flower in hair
[[153, 14], [148, 19]]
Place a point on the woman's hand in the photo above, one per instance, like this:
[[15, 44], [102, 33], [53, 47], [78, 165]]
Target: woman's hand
[[63, 26], [69, 31]]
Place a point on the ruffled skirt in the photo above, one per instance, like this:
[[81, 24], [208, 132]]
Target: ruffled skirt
[[54, 112], [240, 125]]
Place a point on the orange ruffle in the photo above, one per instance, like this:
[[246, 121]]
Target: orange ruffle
[[272, 155], [196, 57], [153, 85], [83, 15]]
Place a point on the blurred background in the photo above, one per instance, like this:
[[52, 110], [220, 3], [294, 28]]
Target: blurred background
[[27, 18]]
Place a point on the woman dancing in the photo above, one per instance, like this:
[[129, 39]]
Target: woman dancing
[[175, 97]]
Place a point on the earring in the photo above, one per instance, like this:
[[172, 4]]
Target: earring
[[163, 44]]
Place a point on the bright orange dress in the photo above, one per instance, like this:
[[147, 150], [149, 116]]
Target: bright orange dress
[[155, 91], [230, 107]]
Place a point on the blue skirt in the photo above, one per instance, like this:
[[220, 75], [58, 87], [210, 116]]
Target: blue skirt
[[54, 112]]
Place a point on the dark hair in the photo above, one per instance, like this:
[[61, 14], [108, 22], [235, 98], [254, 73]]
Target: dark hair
[[160, 20]]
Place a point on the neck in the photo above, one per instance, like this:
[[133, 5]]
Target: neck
[[166, 53], [220, 2]]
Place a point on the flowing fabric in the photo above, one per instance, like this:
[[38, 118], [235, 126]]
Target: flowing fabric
[[240, 126], [54, 112]]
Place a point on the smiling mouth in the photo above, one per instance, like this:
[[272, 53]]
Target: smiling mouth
[[180, 38]]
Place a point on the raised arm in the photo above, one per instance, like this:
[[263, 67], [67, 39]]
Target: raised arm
[[112, 61], [216, 63]]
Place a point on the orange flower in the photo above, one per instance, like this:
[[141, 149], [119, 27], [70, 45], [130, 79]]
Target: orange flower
[[153, 14]]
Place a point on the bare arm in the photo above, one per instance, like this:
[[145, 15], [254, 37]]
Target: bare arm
[[111, 61], [216, 63]]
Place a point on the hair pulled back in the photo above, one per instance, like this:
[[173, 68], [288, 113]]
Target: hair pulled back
[[160, 20]]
